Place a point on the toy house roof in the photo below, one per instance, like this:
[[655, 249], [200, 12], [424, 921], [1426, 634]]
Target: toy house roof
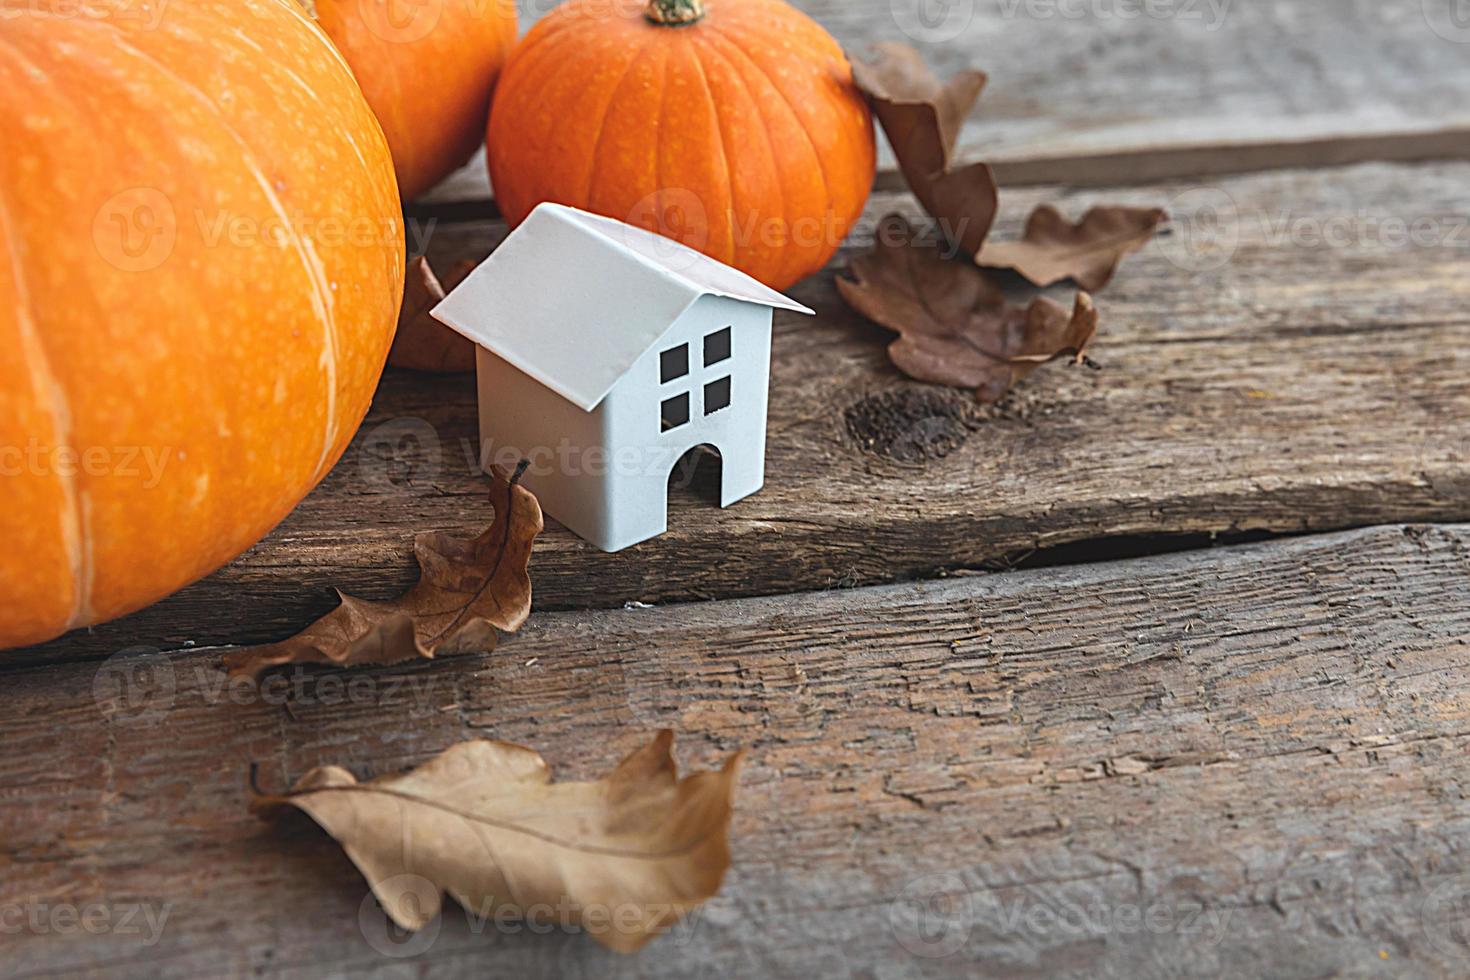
[[574, 299]]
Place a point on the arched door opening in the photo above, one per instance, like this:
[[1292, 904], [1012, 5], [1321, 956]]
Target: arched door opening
[[696, 476]]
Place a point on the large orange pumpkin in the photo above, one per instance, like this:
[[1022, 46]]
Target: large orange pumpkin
[[735, 129], [200, 266], [427, 68]]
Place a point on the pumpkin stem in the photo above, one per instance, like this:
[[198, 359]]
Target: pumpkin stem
[[674, 13]]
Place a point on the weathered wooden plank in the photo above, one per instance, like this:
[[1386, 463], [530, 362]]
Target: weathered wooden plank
[[1118, 91], [1317, 379], [1246, 761]]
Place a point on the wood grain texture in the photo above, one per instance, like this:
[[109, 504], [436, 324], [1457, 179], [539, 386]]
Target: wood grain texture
[[1315, 377], [1248, 761], [1122, 91]]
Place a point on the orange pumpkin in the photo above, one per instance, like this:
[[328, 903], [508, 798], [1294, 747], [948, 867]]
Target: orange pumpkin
[[735, 129], [427, 68], [201, 259]]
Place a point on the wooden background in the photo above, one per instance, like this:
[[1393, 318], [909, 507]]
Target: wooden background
[[1152, 669]]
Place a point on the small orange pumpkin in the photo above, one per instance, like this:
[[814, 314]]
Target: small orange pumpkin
[[201, 260], [735, 129], [427, 68]]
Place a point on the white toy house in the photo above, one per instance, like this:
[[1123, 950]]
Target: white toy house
[[606, 352]]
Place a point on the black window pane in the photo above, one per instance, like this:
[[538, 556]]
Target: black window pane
[[674, 411], [673, 363], [717, 347], [716, 396]]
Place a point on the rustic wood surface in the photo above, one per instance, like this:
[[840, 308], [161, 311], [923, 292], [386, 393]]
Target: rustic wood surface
[[1249, 761], [1115, 91], [1238, 760], [1315, 377]]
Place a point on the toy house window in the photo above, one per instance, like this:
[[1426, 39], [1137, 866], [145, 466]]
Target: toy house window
[[674, 363], [716, 395], [674, 412], [717, 347]]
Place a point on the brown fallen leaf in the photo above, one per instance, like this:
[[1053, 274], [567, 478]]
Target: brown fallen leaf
[[623, 857], [1088, 252], [922, 118], [422, 343], [955, 327], [467, 589]]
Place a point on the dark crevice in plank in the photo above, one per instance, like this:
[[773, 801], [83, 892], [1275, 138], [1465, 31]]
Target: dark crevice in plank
[[1119, 548]]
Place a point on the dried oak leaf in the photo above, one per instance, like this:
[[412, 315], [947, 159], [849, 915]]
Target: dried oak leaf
[[923, 118], [626, 856], [1088, 252], [423, 343], [467, 589], [955, 327]]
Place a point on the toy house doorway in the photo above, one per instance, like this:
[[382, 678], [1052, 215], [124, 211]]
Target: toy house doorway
[[695, 478]]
